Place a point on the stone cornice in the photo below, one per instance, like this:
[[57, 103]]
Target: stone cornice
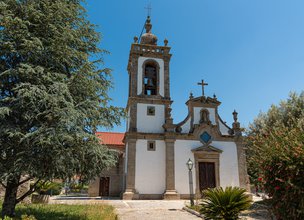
[[144, 99], [152, 51], [203, 101], [171, 136]]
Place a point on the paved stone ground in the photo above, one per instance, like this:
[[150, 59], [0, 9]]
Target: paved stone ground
[[154, 209], [135, 210]]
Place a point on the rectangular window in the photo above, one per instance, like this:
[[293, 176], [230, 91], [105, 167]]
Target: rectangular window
[[151, 146], [150, 110]]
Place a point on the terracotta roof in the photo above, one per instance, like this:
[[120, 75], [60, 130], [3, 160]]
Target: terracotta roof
[[111, 138]]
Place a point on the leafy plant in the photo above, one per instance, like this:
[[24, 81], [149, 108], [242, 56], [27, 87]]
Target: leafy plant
[[49, 188], [219, 204], [275, 145], [23, 217], [77, 187], [53, 95]]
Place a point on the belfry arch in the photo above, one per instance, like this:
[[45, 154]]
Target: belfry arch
[[150, 70]]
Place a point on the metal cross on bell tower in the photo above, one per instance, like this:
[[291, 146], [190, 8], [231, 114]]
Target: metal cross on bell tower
[[149, 8], [203, 84]]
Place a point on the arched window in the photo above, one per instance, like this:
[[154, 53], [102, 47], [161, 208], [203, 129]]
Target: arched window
[[150, 79]]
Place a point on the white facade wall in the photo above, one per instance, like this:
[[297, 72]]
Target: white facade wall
[[229, 175], [197, 116], [186, 126], [150, 123], [160, 62], [223, 129], [150, 168], [182, 153], [229, 172]]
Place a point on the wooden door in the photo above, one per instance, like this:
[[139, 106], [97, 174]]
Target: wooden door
[[206, 175], [104, 186]]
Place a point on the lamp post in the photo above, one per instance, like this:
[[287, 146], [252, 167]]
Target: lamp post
[[190, 166]]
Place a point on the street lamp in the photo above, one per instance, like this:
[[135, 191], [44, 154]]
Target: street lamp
[[190, 166]]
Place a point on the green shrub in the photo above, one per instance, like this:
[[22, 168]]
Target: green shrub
[[78, 187], [219, 204], [275, 155], [28, 217], [49, 188], [282, 171]]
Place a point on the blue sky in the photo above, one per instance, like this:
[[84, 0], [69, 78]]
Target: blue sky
[[251, 52]]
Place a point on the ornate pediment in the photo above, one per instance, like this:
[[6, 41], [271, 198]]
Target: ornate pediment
[[207, 148], [203, 100]]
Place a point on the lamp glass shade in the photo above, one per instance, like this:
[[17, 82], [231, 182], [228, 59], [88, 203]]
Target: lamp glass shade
[[190, 164]]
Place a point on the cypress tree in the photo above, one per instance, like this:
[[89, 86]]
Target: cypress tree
[[53, 95]]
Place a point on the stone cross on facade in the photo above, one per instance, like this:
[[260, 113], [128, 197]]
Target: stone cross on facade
[[203, 84], [149, 8]]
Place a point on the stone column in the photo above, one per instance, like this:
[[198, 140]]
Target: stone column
[[130, 192], [243, 176], [133, 116], [170, 193]]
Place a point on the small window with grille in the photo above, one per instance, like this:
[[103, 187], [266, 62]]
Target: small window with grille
[[151, 110], [151, 146]]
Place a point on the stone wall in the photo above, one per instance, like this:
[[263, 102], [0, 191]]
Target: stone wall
[[116, 176]]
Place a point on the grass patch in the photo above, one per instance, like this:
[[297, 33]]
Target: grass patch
[[196, 208], [69, 212]]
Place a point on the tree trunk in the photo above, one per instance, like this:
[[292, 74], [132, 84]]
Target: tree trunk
[[9, 203]]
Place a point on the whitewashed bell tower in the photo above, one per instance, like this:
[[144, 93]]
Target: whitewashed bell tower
[[148, 146], [149, 91]]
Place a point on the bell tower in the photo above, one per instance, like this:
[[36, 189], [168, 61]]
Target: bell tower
[[149, 135], [149, 87]]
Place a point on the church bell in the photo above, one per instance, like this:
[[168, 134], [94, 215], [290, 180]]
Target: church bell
[[150, 83]]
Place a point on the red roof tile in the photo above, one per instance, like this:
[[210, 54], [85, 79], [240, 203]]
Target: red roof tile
[[111, 138]]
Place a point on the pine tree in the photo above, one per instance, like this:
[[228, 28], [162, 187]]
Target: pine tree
[[53, 95]]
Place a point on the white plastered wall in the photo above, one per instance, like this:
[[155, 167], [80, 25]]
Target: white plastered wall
[[150, 177], [160, 62], [223, 129], [182, 153], [186, 126], [229, 171], [150, 123], [229, 175]]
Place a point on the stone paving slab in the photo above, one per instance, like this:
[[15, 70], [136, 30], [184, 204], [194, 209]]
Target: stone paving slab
[[154, 209], [136, 209], [154, 214]]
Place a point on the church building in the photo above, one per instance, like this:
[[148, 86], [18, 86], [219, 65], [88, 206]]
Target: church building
[[157, 150]]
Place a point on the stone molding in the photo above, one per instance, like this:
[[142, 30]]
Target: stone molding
[[150, 61], [242, 164], [152, 51], [206, 156], [171, 195], [158, 100], [130, 192], [178, 136], [203, 102]]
